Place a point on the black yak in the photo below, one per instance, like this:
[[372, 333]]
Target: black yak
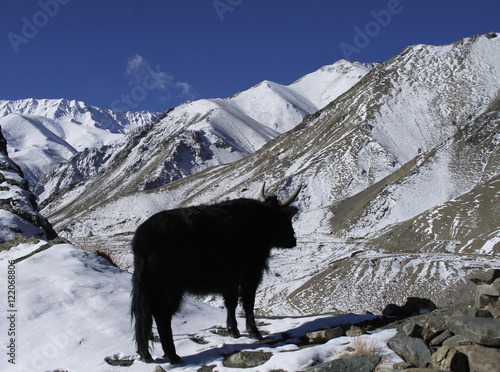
[[208, 249]]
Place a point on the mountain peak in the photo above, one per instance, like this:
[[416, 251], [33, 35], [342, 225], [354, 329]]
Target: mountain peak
[[202, 134]]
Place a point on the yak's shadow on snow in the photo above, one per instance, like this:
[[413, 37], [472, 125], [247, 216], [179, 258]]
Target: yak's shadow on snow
[[294, 335]]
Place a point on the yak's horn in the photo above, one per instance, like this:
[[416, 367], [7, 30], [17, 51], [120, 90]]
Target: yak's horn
[[262, 196], [291, 198]]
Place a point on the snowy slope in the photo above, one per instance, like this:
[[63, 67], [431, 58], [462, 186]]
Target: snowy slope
[[281, 107], [467, 161], [77, 318], [44, 133], [197, 135], [415, 133]]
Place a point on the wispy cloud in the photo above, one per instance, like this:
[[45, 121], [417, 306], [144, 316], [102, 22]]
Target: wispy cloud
[[186, 88], [144, 79], [140, 72]]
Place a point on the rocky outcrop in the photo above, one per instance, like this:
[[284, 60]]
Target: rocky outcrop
[[469, 340], [487, 293], [18, 205], [462, 337]]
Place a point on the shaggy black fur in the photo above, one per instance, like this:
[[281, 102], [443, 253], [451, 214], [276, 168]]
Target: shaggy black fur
[[217, 249]]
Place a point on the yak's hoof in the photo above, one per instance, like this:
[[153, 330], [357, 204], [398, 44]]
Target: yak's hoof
[[147, 358], [256, 335], [174, 359], [234, 333]]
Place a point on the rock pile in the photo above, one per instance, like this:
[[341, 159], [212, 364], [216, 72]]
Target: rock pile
[[467, 341]]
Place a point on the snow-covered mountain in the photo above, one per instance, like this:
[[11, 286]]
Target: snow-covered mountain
[[110, 120], [42, 133], [195, 136], [400, 176]]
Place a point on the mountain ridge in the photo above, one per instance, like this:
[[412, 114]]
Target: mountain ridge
[[196, 135], [114, 121], [43, 133]]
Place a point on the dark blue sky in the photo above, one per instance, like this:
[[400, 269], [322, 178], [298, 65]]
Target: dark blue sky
[[155, 54]]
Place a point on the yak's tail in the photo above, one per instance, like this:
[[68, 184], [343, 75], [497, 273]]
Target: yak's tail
[[141, 308]]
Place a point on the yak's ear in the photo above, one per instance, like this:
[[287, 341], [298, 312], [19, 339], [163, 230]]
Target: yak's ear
[[290, 211]]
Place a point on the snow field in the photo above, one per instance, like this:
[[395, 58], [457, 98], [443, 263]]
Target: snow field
[[73, 314]]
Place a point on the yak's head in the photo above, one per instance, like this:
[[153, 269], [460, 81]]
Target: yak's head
[[282, 214]]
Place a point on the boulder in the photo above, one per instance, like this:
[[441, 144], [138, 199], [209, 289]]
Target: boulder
[[158, 369], [209, 368], [494, 309], [484, 331], [433, 328], [478, 313], [455, 341], [496, 284], [413, 350], [449, 359], [412, 329], [488, 289], [481, 359], [438, 340], [320, 337], [246, 359], [354, 331], [402, 365], [483, 301], [484, 277], [358, 363]]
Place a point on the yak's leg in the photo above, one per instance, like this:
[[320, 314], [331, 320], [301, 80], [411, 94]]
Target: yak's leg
[[231, 301], [163, 312], [248, 299]]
